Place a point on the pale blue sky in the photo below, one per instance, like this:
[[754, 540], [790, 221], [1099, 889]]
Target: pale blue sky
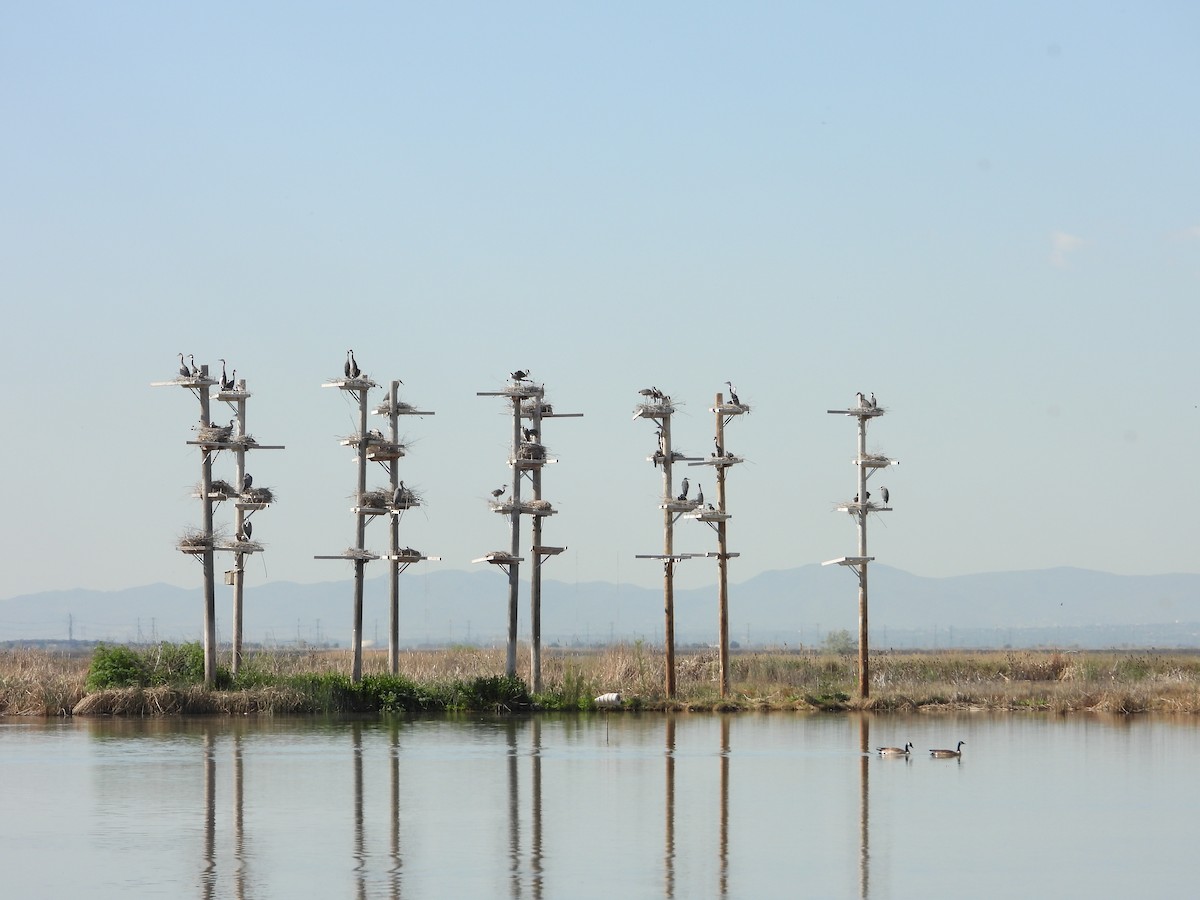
[[985, 213]]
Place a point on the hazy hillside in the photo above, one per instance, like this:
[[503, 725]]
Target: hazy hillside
[[790, 606]]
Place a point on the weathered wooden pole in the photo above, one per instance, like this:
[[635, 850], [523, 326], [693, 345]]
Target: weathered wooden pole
[[239, 522], [394, 594], [864, 674], [722, 559], [206, 503], [668, 558], [535, 574], [360, 535], [510, 659]]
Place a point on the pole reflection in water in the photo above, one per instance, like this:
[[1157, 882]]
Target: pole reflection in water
[[536, 838], [208, 876], [669, 851], [514, 811], [239, 839], [360, 840], [864, 807], [723, 877], [394, 848]]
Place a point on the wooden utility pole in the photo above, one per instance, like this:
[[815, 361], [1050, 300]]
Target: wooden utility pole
[[860, 507], [718, 518], [206, 504], [248, 501], [358, 384], [209, 440], [659, 408], [528, 456], [402, 498]]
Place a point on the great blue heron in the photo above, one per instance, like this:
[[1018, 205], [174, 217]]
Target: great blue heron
[[873, 405], [683, 490], [225, 383], [355, 371], [733, 394], [398, 495], [862, 401], [195, 371], [717, 444], [647, 392], [183, 369], [884, 492], [499, 492], [346, 365]]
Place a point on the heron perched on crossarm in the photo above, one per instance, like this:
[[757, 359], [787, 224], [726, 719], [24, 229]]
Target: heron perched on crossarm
[[683, 490]]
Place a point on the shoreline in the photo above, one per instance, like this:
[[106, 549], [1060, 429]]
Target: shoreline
[[38, 683]]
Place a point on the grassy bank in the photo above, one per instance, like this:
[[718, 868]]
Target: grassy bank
[[163, 680]]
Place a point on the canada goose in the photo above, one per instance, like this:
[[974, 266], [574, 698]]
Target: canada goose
[[894, 751], [947, 754]]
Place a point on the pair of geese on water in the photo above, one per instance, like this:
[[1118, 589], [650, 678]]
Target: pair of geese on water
[[907, 748]]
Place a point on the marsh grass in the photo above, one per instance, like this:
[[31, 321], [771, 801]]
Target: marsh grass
[[165, 680]]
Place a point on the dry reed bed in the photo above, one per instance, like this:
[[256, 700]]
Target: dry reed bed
[[44, 683]]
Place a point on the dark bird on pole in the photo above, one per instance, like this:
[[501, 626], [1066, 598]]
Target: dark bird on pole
[[247, 480], [699, 494], [717, 444], [873, 405], [346, 365], [520, 375], [733, 395], [224, 379], [884, 492], [499, 492], [683, 490], [247, 529], [355, 371], [398, 495], [183, 369]]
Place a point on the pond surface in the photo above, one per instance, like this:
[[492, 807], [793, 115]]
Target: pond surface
[[613, 806]]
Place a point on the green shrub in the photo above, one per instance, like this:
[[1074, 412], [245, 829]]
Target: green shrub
[[115, 667]]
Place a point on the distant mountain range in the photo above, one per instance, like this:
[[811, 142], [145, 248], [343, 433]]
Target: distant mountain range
[[801, 606]]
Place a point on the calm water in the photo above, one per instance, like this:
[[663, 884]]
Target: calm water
[[777, 805]]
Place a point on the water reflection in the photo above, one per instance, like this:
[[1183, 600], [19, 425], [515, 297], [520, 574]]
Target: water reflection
[[864, 807], [632, 806]]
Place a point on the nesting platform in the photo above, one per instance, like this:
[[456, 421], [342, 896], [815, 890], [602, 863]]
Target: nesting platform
[[499, 558], [653, 410], [682, 506], [232, 396], [710, 515], [526, 509], [363, 555], [385, 451]]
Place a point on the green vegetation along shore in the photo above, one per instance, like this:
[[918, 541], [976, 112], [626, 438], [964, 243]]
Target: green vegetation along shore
[[167, 679]]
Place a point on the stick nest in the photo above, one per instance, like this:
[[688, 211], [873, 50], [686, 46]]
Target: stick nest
[[376, 499], [258, 495], [214, 434], [385, 408], [223, 488]]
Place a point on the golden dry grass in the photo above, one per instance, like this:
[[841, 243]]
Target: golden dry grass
[[47, 683]]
